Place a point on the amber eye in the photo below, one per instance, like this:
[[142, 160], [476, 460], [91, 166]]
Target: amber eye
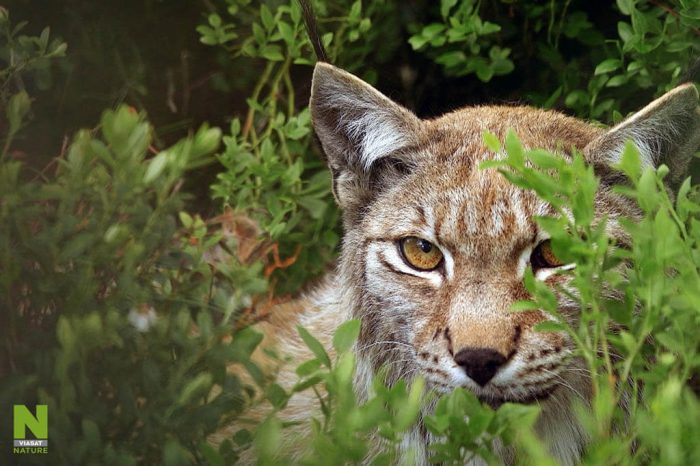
[[419, 253], [543, 257]]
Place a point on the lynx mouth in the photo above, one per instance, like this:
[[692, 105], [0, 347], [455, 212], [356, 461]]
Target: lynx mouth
[[496, 401]]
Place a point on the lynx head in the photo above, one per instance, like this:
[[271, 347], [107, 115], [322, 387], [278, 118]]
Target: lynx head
[[435, 248]]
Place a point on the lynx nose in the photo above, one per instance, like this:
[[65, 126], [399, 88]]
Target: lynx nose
[[480, 364]]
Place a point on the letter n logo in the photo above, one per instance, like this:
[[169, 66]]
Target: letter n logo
[[39, 424]]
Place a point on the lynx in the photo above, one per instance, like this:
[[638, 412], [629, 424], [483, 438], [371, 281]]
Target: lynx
[[435, 248]]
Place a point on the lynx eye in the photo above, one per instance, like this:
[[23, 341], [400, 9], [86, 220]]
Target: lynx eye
[[543, 257], [419, 253]]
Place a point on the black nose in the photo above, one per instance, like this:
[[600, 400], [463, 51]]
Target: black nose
[[480, 364]]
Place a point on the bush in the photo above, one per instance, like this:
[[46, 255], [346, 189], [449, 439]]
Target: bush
[[101, 290], [122, 303]]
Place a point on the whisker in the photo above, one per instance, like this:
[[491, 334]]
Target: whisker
[[565, 383], [386, 342]]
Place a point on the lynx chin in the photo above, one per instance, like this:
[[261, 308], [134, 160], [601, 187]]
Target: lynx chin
[[435, 249]]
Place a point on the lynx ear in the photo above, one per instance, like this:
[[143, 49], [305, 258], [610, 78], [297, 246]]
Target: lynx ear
[[667, 131], [363, 133]]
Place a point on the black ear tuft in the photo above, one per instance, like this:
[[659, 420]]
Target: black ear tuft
[[312, 30]]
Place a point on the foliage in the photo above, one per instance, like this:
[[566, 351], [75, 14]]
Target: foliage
[[23, 56], [100, 293], [462, 32], [345, 423], [654, 43], [121, 307], [270, 171], [656, 281], [112, 314], [26, 56]]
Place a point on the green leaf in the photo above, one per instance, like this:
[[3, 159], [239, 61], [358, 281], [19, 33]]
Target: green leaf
[[198, 386], [295, 12], [544, 159], [355, 11], [484, 72], [491, 141], [432, 30], [549, 326], [446, 6], [630, 162], [345, 335], [417, 41], [64, 333], [522, 306], [244, 343], [309, 367], [272, 52], [286, 31], [268, 440], [316, 207], [306, 383], [185, 218], [210, 455], [155, 167], [514, 149], [277, 396], [266, 17], [175, 454], [611, 64], [625, 6], [315, 346], [617, 81], [205, 141], [17, 109], [214, 20]]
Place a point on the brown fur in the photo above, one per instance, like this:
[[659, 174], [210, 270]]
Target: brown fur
[[397, 176]]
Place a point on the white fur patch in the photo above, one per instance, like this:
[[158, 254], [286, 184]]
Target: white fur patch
[[391, 255], [639, 138], [517, 207], [523, 260], [370, 127], [498, 211], [544, 274], [648, 129]]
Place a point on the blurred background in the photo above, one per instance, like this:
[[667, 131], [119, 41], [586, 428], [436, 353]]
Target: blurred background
[[150, 54], [158, 173]]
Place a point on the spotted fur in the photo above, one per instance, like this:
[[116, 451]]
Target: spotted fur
[[397, 176]]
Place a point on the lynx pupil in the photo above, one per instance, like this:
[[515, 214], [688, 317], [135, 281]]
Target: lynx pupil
[[425, 246]]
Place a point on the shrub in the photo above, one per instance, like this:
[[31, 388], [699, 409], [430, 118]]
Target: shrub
[[101, 291], [121, 307]]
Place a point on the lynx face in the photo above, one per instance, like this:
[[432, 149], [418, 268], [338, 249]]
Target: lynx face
[[435, 248], [439, 257], [449, 318]]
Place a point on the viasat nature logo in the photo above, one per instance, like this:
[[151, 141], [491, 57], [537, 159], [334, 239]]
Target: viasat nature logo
[[37, 423]]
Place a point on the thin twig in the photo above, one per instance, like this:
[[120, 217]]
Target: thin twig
[[673, 13]]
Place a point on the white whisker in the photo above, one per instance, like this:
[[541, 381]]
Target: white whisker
[[565, 383]]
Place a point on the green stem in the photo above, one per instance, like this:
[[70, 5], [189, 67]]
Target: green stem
[[290, 95], [6, 146], [250, 117], [561, 24], [274, 91]]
